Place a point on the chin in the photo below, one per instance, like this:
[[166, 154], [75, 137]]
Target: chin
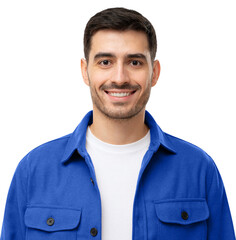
[[121, 114]]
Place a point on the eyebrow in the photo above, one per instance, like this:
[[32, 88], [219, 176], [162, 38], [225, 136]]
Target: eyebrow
[[137, 55], [104, 54]]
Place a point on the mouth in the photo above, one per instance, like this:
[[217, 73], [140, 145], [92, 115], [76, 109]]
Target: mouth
[[120, 94]]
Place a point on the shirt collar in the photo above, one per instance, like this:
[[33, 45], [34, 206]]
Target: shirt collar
[[77, 140]]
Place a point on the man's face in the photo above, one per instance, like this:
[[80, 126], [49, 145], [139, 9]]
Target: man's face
[[120, 73]]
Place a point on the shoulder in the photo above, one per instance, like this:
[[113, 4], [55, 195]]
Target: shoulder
[[188, 152], [46, 153], [193, 159]]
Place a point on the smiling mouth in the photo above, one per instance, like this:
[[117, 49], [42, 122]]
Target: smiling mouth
[[120, 94]]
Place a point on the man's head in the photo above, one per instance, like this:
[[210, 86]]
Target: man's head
[[119, 19], [119, 68]]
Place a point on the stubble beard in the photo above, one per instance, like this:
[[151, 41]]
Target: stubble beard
[[119, 113]]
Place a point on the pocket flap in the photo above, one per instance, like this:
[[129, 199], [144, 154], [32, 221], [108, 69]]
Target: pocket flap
[[182, 211], [52, 219]]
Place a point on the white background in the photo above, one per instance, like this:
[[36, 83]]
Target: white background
[[43, 97]]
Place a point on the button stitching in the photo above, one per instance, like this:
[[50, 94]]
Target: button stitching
[[50, 221], [184, 215], [94, 232]]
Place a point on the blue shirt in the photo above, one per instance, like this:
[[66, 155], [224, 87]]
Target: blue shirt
[[179, 195]]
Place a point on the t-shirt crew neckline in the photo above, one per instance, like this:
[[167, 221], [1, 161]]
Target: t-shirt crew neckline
[[107, 147]]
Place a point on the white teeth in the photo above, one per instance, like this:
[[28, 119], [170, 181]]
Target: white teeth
[[115, 94]]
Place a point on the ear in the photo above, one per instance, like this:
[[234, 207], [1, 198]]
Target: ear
[[84, 67], [156, 72]]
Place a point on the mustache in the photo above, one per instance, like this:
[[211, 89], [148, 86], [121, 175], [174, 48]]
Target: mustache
[[126, 86]]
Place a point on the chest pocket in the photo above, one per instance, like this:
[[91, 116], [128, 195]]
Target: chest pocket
[[51, 223], [183, 219]]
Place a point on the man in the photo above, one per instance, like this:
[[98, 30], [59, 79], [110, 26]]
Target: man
[[118, 176]]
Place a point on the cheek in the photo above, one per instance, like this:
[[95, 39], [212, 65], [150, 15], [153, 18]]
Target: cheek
[[142, 78], [98, 78]]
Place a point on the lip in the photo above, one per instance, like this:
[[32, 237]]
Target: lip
[[127, 94]]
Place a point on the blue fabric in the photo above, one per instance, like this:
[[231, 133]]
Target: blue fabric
[[179, 195]]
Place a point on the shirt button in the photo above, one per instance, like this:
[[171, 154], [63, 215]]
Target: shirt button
[[92, 181], [94, 232], [50, 221], [184, 215]]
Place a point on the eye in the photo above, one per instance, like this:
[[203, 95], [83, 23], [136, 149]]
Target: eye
[[105, 62], [135, 63]]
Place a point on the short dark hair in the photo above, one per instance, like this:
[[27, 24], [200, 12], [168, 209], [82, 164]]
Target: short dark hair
[[119, 19]]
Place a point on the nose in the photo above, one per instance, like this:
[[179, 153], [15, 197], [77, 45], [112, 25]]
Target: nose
[[120, 75]]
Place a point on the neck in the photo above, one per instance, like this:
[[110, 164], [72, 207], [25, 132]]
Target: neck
[[118, 132]]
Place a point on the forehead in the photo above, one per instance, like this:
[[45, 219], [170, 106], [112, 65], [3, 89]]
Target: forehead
[[119, 42]]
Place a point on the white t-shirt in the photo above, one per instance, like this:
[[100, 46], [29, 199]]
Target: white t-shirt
[[116, 168]]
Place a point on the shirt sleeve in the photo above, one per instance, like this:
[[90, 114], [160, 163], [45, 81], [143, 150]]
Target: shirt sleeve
[[13, 223], [219, 225]]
